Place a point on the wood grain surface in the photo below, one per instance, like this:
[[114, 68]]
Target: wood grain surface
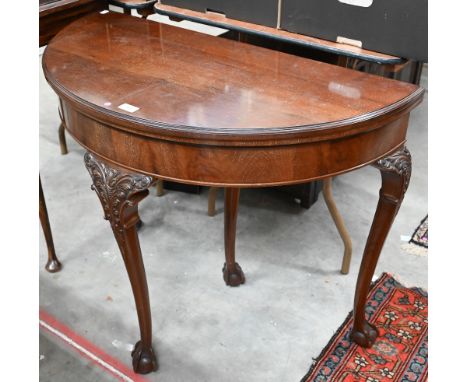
[[187, 81]]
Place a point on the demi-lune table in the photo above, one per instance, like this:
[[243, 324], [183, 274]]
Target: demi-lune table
[[150, 101]]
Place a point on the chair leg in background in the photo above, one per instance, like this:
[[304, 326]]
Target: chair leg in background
[[340, 225]]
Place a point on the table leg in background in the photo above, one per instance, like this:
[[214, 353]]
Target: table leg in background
[[212, 192], [232, 272], [53, 264], [61, 133]]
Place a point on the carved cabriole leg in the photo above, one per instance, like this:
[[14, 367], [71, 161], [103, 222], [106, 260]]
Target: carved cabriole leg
[[53, 264], [340, 225], [120, 192], [396, 172], [232, 272]]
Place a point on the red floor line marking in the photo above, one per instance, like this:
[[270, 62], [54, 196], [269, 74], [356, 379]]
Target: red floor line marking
[[88, 349]]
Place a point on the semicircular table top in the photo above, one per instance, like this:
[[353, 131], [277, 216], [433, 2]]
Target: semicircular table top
[[179, 79]]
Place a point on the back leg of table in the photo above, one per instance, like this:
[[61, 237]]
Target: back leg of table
[[340, 225], [53, 265], [232, 272], [212, 192], [159, 187], [61, 133], [62, 140]]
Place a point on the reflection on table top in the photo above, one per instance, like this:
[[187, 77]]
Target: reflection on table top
[[183, 78]]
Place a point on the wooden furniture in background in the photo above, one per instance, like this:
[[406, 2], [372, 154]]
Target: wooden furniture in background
[[53, 264], [340, 225], [143, 7], [394, 27], [284, 121], [56, 14], [222, 21], [397, 27]]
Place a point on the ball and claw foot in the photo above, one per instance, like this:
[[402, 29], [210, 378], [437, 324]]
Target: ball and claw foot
[[367, 337], [53, 266], [233, 278], [144, 360]]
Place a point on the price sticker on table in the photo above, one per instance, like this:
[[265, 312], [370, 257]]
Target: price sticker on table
[[129, 108]]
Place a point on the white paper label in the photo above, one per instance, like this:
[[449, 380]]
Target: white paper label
[[349, 41], [129, 108], [359, 3]]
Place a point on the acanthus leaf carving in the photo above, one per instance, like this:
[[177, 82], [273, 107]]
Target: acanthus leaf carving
[[398, 162], [115, 188]]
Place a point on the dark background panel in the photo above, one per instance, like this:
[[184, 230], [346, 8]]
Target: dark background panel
[[263, 12], [396, 27]]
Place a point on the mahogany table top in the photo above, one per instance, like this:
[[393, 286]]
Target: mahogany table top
[[186, 81]]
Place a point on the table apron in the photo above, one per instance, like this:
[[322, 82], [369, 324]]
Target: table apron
[[234, 166]]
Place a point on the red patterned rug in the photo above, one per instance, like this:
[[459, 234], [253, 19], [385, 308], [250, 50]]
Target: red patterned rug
[[400, 352]]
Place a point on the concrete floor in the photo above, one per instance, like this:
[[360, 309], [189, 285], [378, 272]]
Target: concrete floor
[[266, 330]]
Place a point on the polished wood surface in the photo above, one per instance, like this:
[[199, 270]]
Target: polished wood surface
[[198, 76], [221, 21], [221, 113]]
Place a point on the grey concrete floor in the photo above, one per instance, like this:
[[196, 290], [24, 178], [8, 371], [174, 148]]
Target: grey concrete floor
[[266, 330]]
